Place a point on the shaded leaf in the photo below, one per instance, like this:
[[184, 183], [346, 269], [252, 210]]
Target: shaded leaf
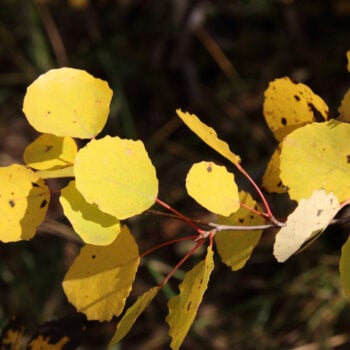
[[236, 247], [348, 58], [117, 175], [184, 306], [289, 105], [100, 279], [11, 336], [208, 135], [24, 199], [76, 103], [344, 109], [317, 156], [308, 220], [213, 187], [50, 152], [344, 267], [132, 314], [88, 221]]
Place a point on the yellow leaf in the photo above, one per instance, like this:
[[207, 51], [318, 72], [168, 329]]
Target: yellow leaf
[[348, 57], [307, 221], [344, 109], [208, 135], [317, 156], [271, 179], [100, 279], [289, 105], [344, 267], [50, 152], [236, 247], [53, 174], [132, 314], [117, 175], [68, 102], [24, 199], [12, 336], [213, 187], [92, 225], [183, 307]]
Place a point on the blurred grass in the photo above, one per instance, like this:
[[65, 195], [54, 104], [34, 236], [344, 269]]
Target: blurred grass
[[156, 60]]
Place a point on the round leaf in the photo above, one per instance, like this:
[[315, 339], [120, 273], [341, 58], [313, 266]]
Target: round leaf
[[101, 277], [213, 187], [289, 105], [317, 156], [92, 225], [117, 175], [24, 199], [50, 152], [68, 102]]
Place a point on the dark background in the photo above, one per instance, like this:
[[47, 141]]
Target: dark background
[[212, 58]]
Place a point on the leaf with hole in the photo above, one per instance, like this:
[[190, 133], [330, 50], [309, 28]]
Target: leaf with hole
[[184, 306], [24, 200], [213, 187], [208, 135], [308, 221], [68, 102], [91, 224], [101, 277], [117, 175]]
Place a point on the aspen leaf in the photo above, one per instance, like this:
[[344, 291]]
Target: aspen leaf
[[24, 199], [348, 58], [308, 220], [213, 187], [117, 175], [289, 105], [184, 306], [68, 102], [271, 180], [57, 173], [50, 152], [91, 224], [344, 267], [317, 156], [208, 135], [132, 314], [344, 109], [100, 279], [235, 247]]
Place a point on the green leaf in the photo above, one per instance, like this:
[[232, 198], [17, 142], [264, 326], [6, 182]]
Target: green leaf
[[289, 105], [92, 225], [68, 102], [208, 135], [236, 247], [316, 156], [183, 307], [101, 277], [117, 175], [344, 267], [213, 187], [132, 314], [307, 222], [24, 199], [50, 152]]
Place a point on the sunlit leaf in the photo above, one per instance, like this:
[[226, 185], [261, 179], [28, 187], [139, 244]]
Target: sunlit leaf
[[92, 225], [54, 174], [68, 102], [100, 279], [50, 152], [184, 306], [208, 135], [317, 156], [117, 175], [344, 109], [289, 105], [307, 221], [344, 267], [132, 314], [213, 187], [235, 247], [271, 179], [24, 199]]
